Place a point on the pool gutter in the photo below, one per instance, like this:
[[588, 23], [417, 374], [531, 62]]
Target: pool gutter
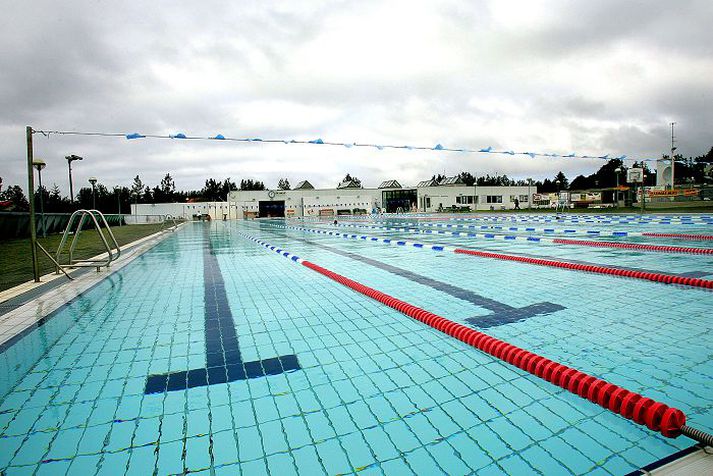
[[693, 461]]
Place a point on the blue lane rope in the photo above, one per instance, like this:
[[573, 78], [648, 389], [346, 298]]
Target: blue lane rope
[[438, 147]]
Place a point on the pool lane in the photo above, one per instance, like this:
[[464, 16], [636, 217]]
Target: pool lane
[[224, 362]]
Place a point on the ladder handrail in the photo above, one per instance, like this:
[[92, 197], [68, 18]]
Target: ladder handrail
[[111, 234], [66, 234], [167, 217], [92, 214]]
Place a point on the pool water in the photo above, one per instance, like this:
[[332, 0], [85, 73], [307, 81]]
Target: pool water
[[210, 354]]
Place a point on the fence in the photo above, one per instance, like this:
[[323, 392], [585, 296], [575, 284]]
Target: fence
[[17, 224]]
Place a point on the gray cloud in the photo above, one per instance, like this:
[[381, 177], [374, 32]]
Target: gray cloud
[[592, 77]]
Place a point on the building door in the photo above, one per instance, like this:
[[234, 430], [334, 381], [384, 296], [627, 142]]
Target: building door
[[401, 200], [272, 209]]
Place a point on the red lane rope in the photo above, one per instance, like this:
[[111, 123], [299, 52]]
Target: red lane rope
[[642, 410], [635, 246], [682, 236], [628, 273]]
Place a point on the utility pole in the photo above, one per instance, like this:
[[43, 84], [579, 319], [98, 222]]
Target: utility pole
[[673, 149], [31, 199]]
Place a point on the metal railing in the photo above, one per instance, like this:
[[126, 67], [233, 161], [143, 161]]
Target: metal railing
[[80, 217], [170, 219]]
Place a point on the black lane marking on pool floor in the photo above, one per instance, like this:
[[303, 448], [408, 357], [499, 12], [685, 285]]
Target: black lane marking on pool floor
[[501, 313], [224, 362]]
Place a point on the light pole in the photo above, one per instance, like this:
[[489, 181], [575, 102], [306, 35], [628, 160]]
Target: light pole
[[117, 192], [93, 181], [475, 193], [70, 159], [558, 197], [643, 192], [39, 164], [617, 171], [529, 193]]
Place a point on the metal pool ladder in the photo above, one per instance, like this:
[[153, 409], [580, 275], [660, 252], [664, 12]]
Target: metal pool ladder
[[74, 227]]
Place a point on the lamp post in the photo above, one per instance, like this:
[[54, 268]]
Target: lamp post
[[70, 159], [643, 192], [93, 181], [117, 192], [558, 197], [529, 194], [39, 164], [617, 171]]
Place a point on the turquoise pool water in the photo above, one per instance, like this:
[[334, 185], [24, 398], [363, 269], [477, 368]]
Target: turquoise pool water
[[211, 354]]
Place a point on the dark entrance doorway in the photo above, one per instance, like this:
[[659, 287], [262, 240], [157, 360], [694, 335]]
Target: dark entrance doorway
[[395, 199], [272, 209]]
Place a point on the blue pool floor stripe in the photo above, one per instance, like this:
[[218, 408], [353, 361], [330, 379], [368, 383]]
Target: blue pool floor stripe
[[224, 362], [501, 313]]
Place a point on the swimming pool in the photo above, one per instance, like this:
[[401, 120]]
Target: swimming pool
[[210, 353]]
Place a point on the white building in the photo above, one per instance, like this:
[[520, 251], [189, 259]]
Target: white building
[[348, 198], [216, 210], [390, 196]]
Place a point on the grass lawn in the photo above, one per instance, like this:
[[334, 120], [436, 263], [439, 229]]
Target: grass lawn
[[16, 261]]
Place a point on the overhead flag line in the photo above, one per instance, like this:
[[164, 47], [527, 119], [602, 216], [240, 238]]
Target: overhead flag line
[[319, 141]]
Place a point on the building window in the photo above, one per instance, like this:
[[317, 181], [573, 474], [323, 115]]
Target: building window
[[523, 199], [494, 199], [465, 200]]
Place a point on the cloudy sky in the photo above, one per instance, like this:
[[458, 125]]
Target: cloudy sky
[[592, 77]]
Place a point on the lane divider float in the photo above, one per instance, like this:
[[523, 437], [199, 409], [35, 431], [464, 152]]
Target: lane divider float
[[634, 246], [590, 268], [493, 236], [680, 236], [657, 416], [566, 231]]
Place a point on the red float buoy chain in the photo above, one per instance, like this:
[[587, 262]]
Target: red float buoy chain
[[655, 415], [635, 246], [683, 236], [628, 273]]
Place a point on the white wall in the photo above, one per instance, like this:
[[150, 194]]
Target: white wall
[[311, 201], [447, 196], [185, 210]]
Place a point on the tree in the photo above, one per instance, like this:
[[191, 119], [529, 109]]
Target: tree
[[547, 186], [250, 184], [56, 203], [137, 187], [211, 190], [167, 189], [226, 187], [581, 182], [356, 181], [467, 178], [147, 196], [563, 182], [283, 184], [15, 195]]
